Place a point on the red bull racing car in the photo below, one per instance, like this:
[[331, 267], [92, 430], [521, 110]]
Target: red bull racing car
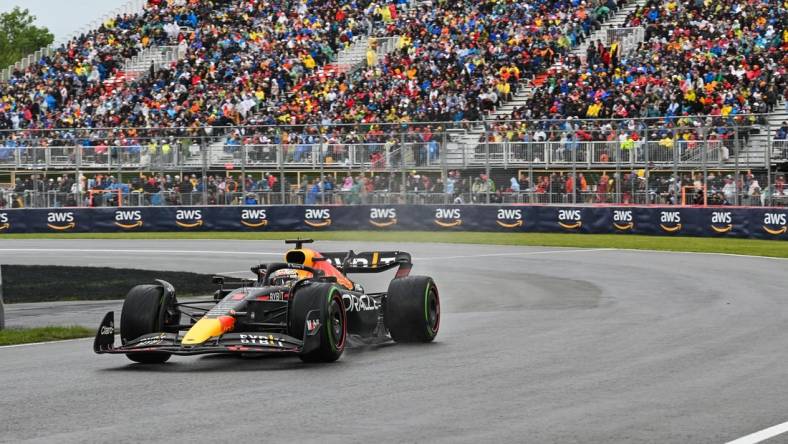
[[305, 305]]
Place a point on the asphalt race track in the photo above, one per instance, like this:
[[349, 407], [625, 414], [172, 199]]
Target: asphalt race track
[[537, 345]]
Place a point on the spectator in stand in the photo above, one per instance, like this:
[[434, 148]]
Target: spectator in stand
[[729, 190], [190, 94], [720, 59], [781, 140], [236, 57]]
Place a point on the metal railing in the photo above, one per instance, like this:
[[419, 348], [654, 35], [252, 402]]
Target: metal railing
[[355, 57], [299, 196], [628, 38], [158, 56], [546, 144], [590, 154]]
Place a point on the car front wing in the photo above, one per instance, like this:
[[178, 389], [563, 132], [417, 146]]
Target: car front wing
[[235, 342]]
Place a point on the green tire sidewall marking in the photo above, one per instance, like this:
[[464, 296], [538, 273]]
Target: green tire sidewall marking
[[430, 332], [329, 330]]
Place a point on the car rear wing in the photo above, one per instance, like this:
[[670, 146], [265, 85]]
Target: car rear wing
[[370, 261]]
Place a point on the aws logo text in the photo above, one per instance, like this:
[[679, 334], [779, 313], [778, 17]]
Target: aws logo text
[[254, 218], [128, 220], [670, 221], [623, 220], [188, 218], [448, 217], [510, 217], [383, 217], [61, 221], [317, 217], [570, 219], [772, 220], [721, 221], [4, 225]]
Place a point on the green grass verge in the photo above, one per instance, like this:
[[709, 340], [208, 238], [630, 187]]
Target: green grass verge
[[13, 336], [663, 243]]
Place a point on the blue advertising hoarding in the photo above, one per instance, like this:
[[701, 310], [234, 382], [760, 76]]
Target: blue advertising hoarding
[[759, 223]]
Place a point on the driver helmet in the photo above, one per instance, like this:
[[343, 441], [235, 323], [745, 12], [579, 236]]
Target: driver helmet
[[285, 276]]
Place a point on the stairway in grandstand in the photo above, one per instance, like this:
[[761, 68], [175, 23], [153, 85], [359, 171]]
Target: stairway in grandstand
[[761, 144], [348, 60], [462, 150], [139, 66]]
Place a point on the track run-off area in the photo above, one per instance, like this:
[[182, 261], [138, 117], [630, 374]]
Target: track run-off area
[[536, 345]]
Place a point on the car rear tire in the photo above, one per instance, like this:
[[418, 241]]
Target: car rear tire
[[333, 320], [413, 310], [147, 309]]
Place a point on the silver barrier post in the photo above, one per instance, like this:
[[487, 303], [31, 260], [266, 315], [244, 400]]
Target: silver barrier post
[[618, 172], [704, 163], [574, 173], [768, 161], [403, 185], [78, 178], [646, 147], [486, 158], [204, 162], [243, 173], [444, 167], [505, 151], [390, 167], [322, 186], [280, 152], [363, 158], [322, 157], [737, 173], [675, 152], [531, 185]]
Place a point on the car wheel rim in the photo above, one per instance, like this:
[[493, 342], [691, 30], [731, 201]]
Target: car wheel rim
[[433, 311], [337, 322]]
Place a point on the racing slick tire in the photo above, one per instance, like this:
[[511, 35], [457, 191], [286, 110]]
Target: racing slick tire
[[147, 309], [412, 310], [333, 320]]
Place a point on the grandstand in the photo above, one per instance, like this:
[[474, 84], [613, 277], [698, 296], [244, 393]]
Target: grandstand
[[468, 101]]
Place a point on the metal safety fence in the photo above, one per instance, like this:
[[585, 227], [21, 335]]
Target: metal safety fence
[[628, 38], [626, 195], [739, 157], [753, 141]]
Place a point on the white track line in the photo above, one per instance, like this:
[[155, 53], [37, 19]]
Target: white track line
[[763, 435], [522, 253], [633, 250], [701, 252]]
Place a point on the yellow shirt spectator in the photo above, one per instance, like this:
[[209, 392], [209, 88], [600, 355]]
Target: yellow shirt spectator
[[593, 110], [372, 57], [309, 62]]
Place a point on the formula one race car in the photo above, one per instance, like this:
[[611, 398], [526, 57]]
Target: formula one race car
[[306, 306]]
